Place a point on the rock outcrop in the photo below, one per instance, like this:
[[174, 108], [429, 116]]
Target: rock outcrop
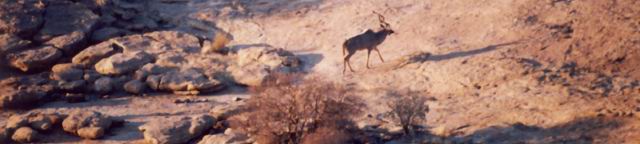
[[20, 17]]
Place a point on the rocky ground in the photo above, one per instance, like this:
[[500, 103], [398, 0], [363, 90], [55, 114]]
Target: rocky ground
[[136, 71]]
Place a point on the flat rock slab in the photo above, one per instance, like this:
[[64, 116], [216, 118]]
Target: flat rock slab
[[123, 63], [35, 59], [176, 130]]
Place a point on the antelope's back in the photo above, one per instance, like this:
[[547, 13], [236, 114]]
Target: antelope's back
[[363, 40]]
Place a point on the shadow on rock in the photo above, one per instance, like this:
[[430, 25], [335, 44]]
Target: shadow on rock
[[310, 60]]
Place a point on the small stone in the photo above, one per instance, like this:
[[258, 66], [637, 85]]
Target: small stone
[[135, 87], [75, 98], [25, 135], [4, 135], [440, 131], [91, 76], [41, 123], [91, 132], [72, 86], [104, 85]]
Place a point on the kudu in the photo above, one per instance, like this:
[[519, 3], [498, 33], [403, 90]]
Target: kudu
[[368, 40]]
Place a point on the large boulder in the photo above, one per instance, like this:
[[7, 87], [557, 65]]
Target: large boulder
[[123, 63], [66, 17], [87, 124], [25, 135], [187, 81], [21, 17], [176, 130], [69, 43], [67, 72], [23, 92], [35, 59], [91, 55], [253, 65]]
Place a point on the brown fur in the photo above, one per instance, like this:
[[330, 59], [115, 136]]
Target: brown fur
[[368, 40]]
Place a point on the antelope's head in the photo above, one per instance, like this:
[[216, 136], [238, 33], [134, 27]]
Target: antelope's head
[[386, 27]]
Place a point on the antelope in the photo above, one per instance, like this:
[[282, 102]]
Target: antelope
[[368, 40]]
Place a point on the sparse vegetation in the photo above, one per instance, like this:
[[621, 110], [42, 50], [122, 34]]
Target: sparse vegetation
[[408, 109], [219, 41], [289, 109]]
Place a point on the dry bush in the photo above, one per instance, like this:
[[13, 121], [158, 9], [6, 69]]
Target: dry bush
[[408, 109], [287, 109], [219, 42]]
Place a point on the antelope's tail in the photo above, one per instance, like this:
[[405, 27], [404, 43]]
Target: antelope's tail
[[344, 48]]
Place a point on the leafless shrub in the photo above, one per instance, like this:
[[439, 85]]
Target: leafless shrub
[[287, 109], [409, 109]]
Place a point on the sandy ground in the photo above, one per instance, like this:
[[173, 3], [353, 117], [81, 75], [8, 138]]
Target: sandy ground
[[473, 75]]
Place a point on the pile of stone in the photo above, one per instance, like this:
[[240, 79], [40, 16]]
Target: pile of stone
[[28, 128], [82, 49], [25, 91]]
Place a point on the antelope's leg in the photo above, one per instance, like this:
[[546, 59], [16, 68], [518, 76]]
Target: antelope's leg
[[347, 63], [344, 66], [379, 55], [350, 68], [368, 54]]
